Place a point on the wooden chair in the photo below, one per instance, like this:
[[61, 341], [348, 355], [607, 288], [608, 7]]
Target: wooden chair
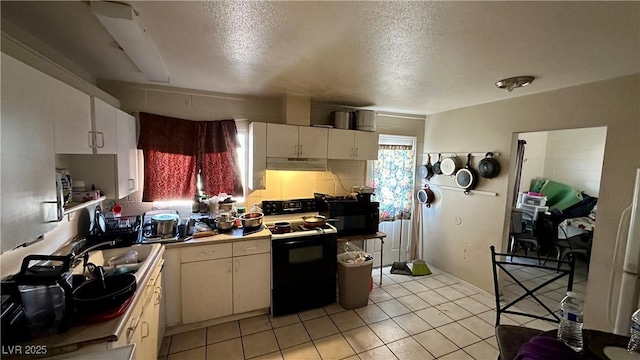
[[499, 261]]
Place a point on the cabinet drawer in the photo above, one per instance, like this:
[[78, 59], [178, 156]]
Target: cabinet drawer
[[205, 252], [250, 247]]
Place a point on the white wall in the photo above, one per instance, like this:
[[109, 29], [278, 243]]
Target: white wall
[[462, 247], [535, 152], [202, 105], [574, 157]]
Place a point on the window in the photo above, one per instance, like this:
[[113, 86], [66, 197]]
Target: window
[[183, 157]]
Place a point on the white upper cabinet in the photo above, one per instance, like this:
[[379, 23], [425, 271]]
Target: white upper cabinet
[[312, 142], [28, 194], [105, 127], [352, 145], [292, 141], [282, 140], [71, 119], [366, 145], [257, 156], [126, 154]]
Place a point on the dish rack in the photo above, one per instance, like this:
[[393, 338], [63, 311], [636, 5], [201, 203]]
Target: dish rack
[[124, 230], [122, 224]]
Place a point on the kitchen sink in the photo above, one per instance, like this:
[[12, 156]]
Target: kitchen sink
[[101, 258]]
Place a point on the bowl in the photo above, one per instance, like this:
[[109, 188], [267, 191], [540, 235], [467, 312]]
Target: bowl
[[252, 220], [225, 223]]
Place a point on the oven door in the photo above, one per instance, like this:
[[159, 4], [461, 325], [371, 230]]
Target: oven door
[[304, 273], [297, 260]]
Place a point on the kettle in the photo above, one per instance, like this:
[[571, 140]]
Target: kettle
[[46, 294]]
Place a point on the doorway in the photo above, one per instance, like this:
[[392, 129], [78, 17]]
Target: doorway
[[556, 201], [392, 175]]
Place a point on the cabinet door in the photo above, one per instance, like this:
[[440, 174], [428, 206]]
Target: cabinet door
[[366, 144], [171, 277], [257, 156], [206, 290], [340, 144], [282, 140], [28, 194], [147, 348], [105, 127], [312, 142], [127, 154], [251, 282], [71, 120]]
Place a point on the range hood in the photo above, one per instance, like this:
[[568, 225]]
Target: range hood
[[297, 164], [296, 111]]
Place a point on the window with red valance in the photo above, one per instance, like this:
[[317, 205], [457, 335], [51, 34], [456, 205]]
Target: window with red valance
[[176, 150]]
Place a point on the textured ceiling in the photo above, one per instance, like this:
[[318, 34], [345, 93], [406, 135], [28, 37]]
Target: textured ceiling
[[417, 57]]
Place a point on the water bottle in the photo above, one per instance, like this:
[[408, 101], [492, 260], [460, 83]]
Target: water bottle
[[570, 329], [634, 342]]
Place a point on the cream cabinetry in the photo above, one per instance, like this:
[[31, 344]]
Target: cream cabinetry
[[143, 326], [218, 280], [127, 158], [82, 124], [206, 290], [352, 145], [292, 141], [257, 156], [105, 127], [27, 154], [72, 120]]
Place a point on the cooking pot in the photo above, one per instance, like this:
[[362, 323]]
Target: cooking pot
[[450, 165], [225, 223], [467, 178], [281, 227], [489, 167], [426, 171], [252, 220], [342, 119], [426, 196], [366, 120], [314, 221], [436, 167], [164, 225]]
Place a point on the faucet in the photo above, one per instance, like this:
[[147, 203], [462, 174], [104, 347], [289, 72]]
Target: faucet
[[85, 252]]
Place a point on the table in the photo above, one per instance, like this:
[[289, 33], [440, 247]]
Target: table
[[378, 235], [510, 338]]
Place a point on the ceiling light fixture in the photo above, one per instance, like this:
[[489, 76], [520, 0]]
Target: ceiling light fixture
[[119, 20], [511, 83]]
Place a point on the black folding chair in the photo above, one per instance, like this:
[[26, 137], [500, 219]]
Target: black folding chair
[[499, 260]]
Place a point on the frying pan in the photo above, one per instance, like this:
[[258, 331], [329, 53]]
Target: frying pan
[[450, 165], [316, 220], [425, 196], [436, 166], [467, 178], [489, 167], [426, 171]]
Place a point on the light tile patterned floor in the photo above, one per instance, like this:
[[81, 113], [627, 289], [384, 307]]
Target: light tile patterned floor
[[437, 316]]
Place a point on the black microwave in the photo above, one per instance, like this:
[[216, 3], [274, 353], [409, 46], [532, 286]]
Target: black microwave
[[352, 217]]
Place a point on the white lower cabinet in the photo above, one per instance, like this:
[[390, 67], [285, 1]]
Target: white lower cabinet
[[206, 290], [143, 327], [251, 283], [217, 280]]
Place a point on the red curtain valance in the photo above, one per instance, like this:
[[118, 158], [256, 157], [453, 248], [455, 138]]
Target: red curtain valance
[[175, 150]]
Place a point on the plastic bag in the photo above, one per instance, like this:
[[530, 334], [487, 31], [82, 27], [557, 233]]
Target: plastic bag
[[353, 255]]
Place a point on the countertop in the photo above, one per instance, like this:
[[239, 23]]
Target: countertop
[[233, 235], [79, 336]]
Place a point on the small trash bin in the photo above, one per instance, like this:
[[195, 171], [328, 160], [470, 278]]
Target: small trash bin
[[354, 279]]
